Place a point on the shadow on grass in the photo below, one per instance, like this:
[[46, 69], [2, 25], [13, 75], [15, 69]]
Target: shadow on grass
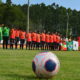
[[22, 77]]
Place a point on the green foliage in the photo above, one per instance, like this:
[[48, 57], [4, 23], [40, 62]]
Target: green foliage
[[8, 2], [49, 17]]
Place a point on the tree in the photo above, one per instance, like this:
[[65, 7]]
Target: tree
[[8, 2]]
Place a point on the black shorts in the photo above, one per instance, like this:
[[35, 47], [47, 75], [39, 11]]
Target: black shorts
[[42, 42], [47, 43], [34, 42], [5, 38], [57, 44], [12, 41], [17, 39], [28, 43], [22, 41], [38, 43], [51, 44]]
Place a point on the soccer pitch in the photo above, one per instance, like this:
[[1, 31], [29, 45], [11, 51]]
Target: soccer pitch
[[17, 65]]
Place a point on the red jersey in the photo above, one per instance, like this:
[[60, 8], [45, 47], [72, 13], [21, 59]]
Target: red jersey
[[54, 38], [57, 38], [38, 38], [33, 36], [43, 37], [47, 38], [17, 33], [51, 38], [22, 35], [28, 36], [12, 33]]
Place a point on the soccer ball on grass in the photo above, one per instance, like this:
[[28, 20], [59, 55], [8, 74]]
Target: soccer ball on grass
[[45, 65]]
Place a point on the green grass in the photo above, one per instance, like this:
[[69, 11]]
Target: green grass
[[16, 65]]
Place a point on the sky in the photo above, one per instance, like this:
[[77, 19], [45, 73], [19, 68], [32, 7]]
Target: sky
[[73, 4]]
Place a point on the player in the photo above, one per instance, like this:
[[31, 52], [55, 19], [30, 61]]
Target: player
[[58, 38], [47, 41], [12, 38], [5, 37], [22, 39], [54, 41], [51, 42], [17, 37], [33, 40], [38, 40], [43, 35], [28, 41]]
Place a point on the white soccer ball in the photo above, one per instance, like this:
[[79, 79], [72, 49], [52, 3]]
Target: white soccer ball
[[45, 65]]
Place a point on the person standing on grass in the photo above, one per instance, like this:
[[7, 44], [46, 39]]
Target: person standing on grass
[[22, 39], [5, 37], [12, 38], [38, 40], [51, 41], [58, 38], [33, 40], [28, 41], [47, 41], [54, 41], [43, 35], [17, 32]]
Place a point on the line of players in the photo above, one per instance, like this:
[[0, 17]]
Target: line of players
[[34, 40]]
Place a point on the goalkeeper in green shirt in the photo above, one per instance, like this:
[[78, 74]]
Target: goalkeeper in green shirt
[[5, 37]]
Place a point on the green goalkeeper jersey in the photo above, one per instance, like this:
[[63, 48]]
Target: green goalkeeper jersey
[[6, 31]]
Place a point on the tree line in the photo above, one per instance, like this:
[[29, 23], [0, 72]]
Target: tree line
[[42, 17]]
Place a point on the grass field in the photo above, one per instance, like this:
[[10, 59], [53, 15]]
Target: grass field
[[16, 65]]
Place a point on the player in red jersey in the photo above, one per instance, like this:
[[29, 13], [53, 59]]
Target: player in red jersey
[[58, 38], [54, 41], [12, 38], [22, 39], [47, 41], [17, 32], [33, 40], [29, 40], [43, 36], [51, 41], [38, 40]]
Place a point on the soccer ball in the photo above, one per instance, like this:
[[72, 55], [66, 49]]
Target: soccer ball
[[45, 65]]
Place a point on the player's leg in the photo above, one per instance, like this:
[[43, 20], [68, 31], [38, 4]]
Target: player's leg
[[16, 42], [33, 45], [3, 42], [41, 45], [26, 45], [10, 43], [23, 43], [20, 43], [38, 45], [7, 42], [29, 45]]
